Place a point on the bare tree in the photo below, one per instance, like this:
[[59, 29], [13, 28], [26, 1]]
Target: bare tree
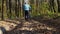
[[52, 5], [58, 1], [10, 9], [16, 8], [2, 9]]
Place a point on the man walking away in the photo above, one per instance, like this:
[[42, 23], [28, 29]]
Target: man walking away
[[26, 8]]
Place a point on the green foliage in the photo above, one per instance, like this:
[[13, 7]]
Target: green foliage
[[42, 9]]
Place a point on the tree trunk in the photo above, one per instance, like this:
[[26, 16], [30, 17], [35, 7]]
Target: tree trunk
[[52, 5], [16, 8], [2, 9], [10, 9], [58, 1]]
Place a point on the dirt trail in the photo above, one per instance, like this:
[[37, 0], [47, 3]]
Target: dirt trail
[[26, 27]]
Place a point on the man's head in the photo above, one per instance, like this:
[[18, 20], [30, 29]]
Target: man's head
[[26, 3]]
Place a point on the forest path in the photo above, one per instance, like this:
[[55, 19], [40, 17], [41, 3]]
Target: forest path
[[26, 27]]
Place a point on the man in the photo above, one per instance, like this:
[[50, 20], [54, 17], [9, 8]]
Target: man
[[26, 8]]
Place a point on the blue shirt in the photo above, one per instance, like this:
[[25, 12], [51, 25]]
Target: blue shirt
[[26, 7]]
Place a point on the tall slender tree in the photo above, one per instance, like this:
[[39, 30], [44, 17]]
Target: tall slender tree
[[16, 8], [2, 9], [52, 5], [58, 1], [10, 9], [7, 7]]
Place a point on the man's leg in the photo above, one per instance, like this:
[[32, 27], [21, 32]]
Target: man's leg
[[26, 15]]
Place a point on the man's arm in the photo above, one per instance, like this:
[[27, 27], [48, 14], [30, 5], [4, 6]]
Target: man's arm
[[30, 8]]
